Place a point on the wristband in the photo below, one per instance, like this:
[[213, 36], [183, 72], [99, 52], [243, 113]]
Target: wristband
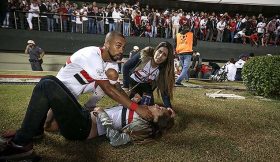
[[133, 106]]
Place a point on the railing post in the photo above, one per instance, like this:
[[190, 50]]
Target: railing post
[[39, 27], [103, 24], [82, 24], [129, 27], [15, 18], [60, 23], [122, 25]]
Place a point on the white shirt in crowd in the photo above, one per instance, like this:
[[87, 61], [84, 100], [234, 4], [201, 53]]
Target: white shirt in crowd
[[203, 23], [144, 19], [83, 13], [240, 63], [221, 25], [260, 27], [175, 20], [34, 9], [231, 71], [117, 16]]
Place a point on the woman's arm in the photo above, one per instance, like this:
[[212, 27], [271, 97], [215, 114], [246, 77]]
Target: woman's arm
[[166, 100], [116, 137], [127, 67]]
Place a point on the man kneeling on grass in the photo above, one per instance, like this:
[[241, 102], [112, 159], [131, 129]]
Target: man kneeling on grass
[[120, 125]]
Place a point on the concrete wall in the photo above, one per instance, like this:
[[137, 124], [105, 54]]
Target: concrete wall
[[67, 43]]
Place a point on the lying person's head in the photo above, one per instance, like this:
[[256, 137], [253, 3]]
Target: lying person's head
[[163, 121]]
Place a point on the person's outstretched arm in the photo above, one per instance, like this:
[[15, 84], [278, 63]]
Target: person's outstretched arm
[[166, 100], [116, 95]]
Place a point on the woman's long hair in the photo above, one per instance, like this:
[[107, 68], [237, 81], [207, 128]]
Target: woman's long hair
[[166, 78]]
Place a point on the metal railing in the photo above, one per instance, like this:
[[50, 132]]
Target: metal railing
[[66, 22]]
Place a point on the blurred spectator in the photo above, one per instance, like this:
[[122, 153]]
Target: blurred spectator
[[270, 28], [22, 9], [232, 29], [154, 24], [277, 35], [230, 69], [91, 20], [220, 28], [196, 64], [33, 12], [134, 51], [126, 23], [62, 11], [148, 30], [83, 14], [106, 20], [175, 24], [261, 28], [43, 15], [6, 14], [239, 65], [240, 36], [202, 27], [215, 67], [111, 21], [205, 71], [210, 27], [51, 9], [100, 21], [35, 55], [184, 42], [167, 26], [71, 12], [137, 24], [254, 39], [117, 15]]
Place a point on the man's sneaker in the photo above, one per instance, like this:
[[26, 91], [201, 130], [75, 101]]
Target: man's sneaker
[[13, 151], [178, 84]]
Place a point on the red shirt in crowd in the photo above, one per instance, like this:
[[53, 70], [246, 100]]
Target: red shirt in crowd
[[137, 20], [254, 37]]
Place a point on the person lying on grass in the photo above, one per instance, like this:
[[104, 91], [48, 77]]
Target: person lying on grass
[[119, 124]]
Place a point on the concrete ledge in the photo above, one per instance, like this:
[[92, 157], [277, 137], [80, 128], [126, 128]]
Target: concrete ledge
[[67, 43]]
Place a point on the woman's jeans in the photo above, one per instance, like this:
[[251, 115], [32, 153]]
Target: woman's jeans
[[74, 122]]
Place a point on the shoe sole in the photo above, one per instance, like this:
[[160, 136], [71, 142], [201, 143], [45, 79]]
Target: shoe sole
[[17, 156]]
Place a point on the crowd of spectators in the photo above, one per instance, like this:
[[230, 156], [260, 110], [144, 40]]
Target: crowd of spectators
[[138, 20]]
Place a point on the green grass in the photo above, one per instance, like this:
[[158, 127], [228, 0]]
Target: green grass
[[206, 129]]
